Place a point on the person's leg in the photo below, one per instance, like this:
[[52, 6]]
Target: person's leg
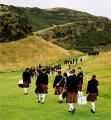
[[71, 107], [81, 93], [43, 98], [60, 98], [25, 90], [39, 95], [93, 107]]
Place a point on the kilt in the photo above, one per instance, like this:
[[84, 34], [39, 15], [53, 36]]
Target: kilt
[[92, 97], [58, 90], [37, 90], [25, 84], [43, 89], [80, 87], [71, 97]]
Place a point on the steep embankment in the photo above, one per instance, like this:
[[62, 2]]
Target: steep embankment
[[83, 36], [29, 52]]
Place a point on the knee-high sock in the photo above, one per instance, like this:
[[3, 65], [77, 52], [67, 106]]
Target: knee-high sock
[[43, 97], [39, 95], [60, 97], [93, 106], [80, 93], [25, 90], [71, 107]]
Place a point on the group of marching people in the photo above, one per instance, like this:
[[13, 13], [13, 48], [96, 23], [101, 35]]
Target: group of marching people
[[69, 86]]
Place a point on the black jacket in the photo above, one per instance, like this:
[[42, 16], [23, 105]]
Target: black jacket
[[59, 79], [72, 84], [92, 87], [26, 77], [39, 77], [80, 78], [43, 79]]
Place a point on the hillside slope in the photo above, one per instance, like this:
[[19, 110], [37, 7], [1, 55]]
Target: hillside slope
[[67, 28], [44, 18], [29, 52], [83, 36]]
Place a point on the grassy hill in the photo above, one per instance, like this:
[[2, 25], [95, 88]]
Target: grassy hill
[[84, 36], [30, 51], [44, 18], [67, 28], [14, 105]]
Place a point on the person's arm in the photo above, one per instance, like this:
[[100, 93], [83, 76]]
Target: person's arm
[[23, 75], [47, 79], [87, 88], [54, 84], [97, 84], [37, 81]]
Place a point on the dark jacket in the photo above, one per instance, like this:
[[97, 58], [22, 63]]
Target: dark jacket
[[80, 78], [26, 77], [92, 87], [43, 79], [59, 79], [38, 79], [72, 84]]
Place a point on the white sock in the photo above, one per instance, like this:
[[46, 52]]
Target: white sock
[[78, 93], [93, 106], [39, 95], [43, 97], [25, 90], [81, 93], [71, 107], [60, 97]]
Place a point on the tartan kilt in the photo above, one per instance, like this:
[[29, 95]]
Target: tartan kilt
[[71, 97], [43, 89], [92, 97], [80, 87], [25, 84], [37, 90], [58, 90]]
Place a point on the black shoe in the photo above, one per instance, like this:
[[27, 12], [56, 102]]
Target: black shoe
[[38, 101], [73, 111], [25, 93], [60, 101], [42, 102], [69, 110], [92, 111]]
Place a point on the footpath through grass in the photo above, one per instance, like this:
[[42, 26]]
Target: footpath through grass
[[14, 105]]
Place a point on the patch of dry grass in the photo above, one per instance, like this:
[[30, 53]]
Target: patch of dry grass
[[30, 51]]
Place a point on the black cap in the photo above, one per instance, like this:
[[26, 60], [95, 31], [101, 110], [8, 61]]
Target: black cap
[[27, 68], [79, 67]]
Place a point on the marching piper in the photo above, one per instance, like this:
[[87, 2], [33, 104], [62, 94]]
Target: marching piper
[[92, 91], [59, 85], [42, 85], [72, 90], [80, 81], [26, 80]]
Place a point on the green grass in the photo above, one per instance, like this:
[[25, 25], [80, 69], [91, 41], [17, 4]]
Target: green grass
[[15, 106]]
